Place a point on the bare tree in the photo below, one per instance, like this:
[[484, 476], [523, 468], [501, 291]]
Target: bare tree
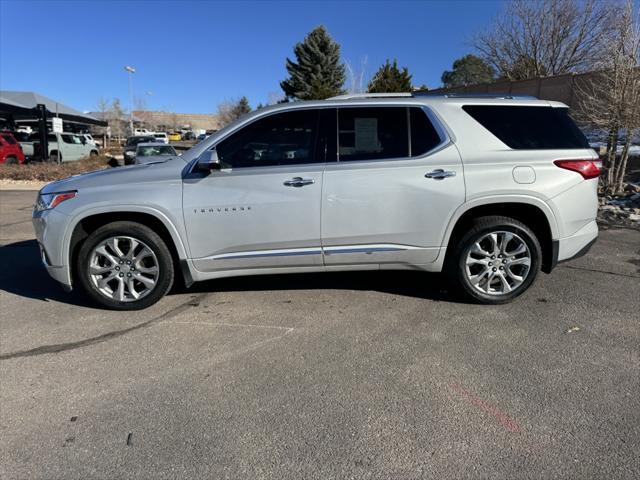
[[231, 110], [611, 100], [545, 37], [276, 97], [356, 76], [139, 103], [102, 105]]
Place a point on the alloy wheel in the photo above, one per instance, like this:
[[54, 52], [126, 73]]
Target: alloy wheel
[[498, 263], [123, 268]]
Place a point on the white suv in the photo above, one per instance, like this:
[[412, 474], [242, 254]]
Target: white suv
[[489, 189]]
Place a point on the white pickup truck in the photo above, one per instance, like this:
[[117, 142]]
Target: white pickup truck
[[66, 147]]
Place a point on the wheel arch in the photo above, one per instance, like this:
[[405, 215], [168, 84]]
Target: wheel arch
[[88, 222], [531, 211]]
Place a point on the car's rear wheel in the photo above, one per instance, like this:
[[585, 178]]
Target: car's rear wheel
[[125, 266], [55, 157], [496, 260], [11, 161]]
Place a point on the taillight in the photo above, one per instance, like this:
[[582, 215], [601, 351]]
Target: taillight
[[587, 168]]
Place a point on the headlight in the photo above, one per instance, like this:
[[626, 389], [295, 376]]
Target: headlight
[[47, 201]]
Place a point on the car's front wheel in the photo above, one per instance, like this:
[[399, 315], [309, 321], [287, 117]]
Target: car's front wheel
[[125, 266], [496, 260]]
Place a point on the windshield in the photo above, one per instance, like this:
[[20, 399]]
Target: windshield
[[152, 150]]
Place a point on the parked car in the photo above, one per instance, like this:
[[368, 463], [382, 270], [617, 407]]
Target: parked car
[[65, 147], [175, 136], [10, 149], [89, 139], [24, 139], [153, 152], [488, 190], [188, 136], [161, 137], [132, 144], [142, 132], [201, 137]]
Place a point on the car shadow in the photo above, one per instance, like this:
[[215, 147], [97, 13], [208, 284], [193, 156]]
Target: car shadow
[[23, 274], [422, 285]]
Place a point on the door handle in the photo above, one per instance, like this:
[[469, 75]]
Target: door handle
[[298, 182], [440, 174]]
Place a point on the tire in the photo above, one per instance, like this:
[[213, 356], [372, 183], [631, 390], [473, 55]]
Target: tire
[[55, 157], [122, 281], [93, 154], [11, 161], [485, 275]]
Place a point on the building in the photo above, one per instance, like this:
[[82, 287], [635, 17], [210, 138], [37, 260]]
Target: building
[[31, 108], [167, 121]]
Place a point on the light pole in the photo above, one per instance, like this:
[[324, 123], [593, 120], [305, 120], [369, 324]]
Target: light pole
[[131, 71]]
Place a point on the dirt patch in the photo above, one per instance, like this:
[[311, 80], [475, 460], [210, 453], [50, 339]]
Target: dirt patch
[[49, 172]]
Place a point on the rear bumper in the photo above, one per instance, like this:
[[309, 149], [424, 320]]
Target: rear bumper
[[574, 246]]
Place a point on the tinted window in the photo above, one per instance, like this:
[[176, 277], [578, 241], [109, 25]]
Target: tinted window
[[424, 136], [281, 139], [328, 134], [372, 133], [149, 151], [529, 128], [9, 139]]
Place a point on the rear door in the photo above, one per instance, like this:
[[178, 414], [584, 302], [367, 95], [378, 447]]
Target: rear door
[[262, 209], [396, 183]]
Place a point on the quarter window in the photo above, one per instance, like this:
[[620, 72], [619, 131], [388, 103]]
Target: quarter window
[[424, 136], [372, 133], [286, 138], [529, 128]]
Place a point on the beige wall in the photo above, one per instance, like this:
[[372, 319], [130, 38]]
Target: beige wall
[[171, 120]]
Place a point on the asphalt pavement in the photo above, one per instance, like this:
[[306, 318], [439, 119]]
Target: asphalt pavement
[[372, 375]]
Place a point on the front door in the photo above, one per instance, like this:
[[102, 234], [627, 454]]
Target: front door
[[262, 208], [396, 183]]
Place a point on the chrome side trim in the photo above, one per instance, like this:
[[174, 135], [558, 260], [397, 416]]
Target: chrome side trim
[[375, 248], [268, 253]]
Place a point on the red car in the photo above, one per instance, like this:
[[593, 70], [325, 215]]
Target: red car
[[10, 149]]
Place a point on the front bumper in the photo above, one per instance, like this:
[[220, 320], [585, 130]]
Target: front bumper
[[50, 228]]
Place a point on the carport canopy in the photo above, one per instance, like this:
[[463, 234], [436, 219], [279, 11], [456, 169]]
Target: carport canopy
[[22, 106]]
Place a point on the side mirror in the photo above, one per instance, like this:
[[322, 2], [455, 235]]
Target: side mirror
[[208, 161]]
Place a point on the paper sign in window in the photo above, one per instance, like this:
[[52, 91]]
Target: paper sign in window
[[366, 133]]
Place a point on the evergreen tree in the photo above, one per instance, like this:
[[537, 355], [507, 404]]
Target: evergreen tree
[[230, 110], [390, 79], [317, 73], [242, 107], [468, 70]]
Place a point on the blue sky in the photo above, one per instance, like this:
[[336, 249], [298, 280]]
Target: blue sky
[[194, 54]]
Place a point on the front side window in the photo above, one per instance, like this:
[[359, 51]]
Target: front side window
[[286, 138], [371, 133]]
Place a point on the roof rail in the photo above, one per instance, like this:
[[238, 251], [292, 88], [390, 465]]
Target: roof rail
[[370, 95], [476, 95]]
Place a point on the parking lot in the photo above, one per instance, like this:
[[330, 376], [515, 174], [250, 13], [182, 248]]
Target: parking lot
[[346, 375]]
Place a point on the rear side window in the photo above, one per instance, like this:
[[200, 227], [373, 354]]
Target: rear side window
[[529, 128], [424, 136], [372, 133]]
